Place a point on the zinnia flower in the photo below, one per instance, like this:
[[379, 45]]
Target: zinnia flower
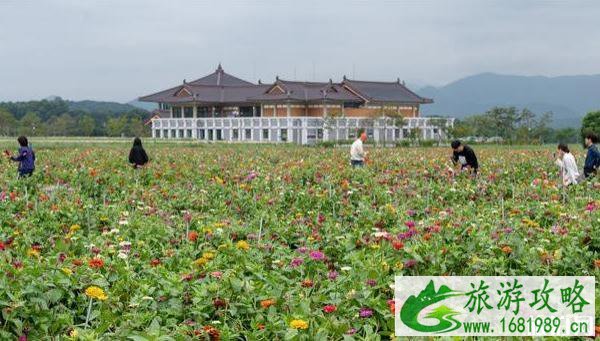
[[96, 263], [297, 262], [96, 292], [392, 305], [299, 324], [267, 303], [192, 236], [317, 255], [332, 275], [410, 263], [371, 282], [307, 283], [365, 312], [243, 245], [330, 308]]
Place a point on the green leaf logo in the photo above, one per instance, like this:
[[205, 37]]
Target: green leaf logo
[[443, 314]]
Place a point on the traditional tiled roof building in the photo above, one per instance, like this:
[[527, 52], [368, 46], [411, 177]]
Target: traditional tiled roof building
[[221, 95]]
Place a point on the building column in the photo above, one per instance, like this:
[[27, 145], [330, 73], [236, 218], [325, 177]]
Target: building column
[[195, 110], [153, 132], [254, 111], [289, 110], [342, 110], [213, 111], [171, 111]]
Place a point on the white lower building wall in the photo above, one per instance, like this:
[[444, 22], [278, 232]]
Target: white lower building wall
[[299, 130]]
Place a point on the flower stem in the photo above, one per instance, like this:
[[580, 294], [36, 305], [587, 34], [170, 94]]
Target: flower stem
[[89, 311]]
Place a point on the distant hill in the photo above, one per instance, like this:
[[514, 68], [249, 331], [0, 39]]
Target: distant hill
[[568, 97], [101, 107], [143, 105]]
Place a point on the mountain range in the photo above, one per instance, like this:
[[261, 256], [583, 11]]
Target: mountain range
[[568, 97]]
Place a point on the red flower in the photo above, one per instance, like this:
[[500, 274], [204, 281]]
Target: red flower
[[2, 246], [398, 245], [219, 303], [192, 236], [77, 262], [328, 309], [213, 333], [96, 263], [392, 305], [155, 262]]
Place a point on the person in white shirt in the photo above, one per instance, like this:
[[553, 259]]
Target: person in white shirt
[[357, 153], [567, 165]]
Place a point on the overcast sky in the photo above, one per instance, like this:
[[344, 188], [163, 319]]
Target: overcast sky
[[121, 49]]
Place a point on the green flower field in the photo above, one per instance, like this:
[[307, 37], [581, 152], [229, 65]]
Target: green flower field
[[220, 242]]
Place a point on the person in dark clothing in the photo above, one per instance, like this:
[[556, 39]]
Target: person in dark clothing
[[465, 156], [592, 160], [25, 157], [137, 156]]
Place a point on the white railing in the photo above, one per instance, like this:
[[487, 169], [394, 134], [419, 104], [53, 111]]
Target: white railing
[[302, 130]]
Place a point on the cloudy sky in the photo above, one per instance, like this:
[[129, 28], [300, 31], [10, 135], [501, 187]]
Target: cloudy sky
[[121, 49]]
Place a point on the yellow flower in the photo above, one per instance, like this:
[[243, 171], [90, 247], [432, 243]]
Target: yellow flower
[[95, 292], [208, 255], [374, 246], [223, 246], [75, 228], [201, 261], [207, 230], [242, 245], [74, 333], [33, 252], [299, 324], [399, 266], [67, 271]]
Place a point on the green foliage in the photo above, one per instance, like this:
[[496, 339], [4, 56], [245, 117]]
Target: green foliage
[[511, 125], [64, 118], [591, 123]]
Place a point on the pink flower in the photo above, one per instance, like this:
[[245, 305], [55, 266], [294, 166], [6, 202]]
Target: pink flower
[[296, 262], [332, 275], [317, 255], [410, 224], [216, 274], [591, 206], [371, 282], [365, 312], [302, 249], [410, 263]]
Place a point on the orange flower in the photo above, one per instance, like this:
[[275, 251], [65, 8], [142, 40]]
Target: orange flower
[[267, 303], [96, 263], [192, 236], [597, 263], [307, 283], [507, 249], [427, 236]]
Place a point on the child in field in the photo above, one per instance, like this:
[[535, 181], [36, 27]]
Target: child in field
[[25, 158], [137, 156], [567, 165]]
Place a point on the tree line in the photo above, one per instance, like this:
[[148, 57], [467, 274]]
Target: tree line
[[63, 118], [508, 124]]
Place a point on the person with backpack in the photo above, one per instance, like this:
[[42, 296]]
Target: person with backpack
[[592, 159], [25, 158]]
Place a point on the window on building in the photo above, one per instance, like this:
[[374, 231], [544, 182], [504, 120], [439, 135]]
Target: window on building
[[283, 134], [236, 134], [219, 135], [210, 134], [248, 134], [180, 133], [202, 134], [188, 133], [203, 111], [165, 133], [176, 112], [157, 134], [188, 112], [265, 134], [320, 134], [351, 105], [173, 133]]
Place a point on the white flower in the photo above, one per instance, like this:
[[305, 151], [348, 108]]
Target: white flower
[[345, 268], [148, 298], [123, 222], [122, 255]]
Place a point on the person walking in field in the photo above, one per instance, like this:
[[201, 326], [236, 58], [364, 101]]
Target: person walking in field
[[25, 158], [592, 160], [137, 156], [464, 156], [567, 165], [357, 153]]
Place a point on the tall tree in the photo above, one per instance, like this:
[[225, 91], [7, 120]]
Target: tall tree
[[87, 124], [591, 123], [31, 125], [8, 123]]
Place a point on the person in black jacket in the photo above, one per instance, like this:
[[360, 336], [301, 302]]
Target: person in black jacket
[[137, 156], [465, 156]]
